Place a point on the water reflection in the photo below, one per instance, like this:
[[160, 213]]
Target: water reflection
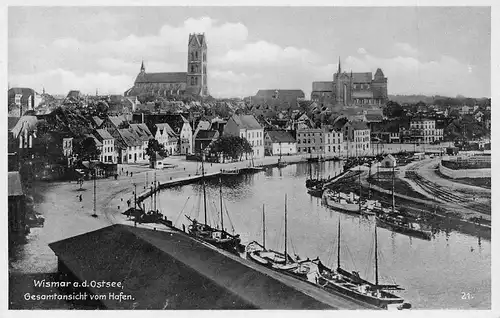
[[432, 272]]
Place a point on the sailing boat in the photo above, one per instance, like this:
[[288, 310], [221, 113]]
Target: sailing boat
[[261, 255], [281, 163], [350, 203], [217, 237], [349, 283], [317, 189], [401, 223]]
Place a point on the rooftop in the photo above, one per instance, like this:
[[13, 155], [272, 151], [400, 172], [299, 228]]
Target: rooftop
[[169, 77], [246, 122], [169, 270], [280, 136]]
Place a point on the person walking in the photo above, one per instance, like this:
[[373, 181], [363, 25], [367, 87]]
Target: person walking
[[127, 173], [131, 174], [80, 198]]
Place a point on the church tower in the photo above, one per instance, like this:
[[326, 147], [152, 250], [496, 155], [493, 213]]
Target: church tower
[[197, 65]]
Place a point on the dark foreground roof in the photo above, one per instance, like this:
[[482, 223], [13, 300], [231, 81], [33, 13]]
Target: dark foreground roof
[[164, 270]]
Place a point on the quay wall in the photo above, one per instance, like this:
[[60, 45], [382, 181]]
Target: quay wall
[[465, 173], [383, 148]]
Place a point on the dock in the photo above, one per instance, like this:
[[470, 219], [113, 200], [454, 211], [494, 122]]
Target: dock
[[171, 270]]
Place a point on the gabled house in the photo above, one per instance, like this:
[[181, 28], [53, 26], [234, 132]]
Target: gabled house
[[21, 100], [279, 142], [130, 146], [24, 130], [142, 132], [247, 126], [204, 140], [108, 153], [166, 136]]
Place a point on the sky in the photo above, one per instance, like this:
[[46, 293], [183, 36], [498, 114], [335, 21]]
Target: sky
[[421, 50]]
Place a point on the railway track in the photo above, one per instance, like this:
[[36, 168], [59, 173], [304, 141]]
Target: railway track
[[447, 195]]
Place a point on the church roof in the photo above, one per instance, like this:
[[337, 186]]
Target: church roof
[[322, 86], [362, 77], [379, 73], [199, 38], [168, 77]]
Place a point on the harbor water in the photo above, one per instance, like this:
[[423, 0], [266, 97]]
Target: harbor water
[[451, 271]]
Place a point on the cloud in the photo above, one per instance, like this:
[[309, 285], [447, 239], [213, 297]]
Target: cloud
[[361, 51], [121, 66], [263, 52], [405, 49], [62, 81]]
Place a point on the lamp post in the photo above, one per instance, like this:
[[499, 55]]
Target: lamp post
[[94, 214]]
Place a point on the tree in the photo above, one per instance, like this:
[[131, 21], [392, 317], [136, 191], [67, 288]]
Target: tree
[[86, 149], [233, 147], [393, 110], [155, 147]]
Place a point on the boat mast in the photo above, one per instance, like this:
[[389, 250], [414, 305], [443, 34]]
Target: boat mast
[[369, 183], [154, 189], [221, 211], [376, 257], [338, 246], [359, 183], [204, 191], [286, 256], [263, 227], [393, 189], [95, 209]]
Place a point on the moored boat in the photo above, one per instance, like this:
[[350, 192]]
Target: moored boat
[[401, 224], [230, 171]]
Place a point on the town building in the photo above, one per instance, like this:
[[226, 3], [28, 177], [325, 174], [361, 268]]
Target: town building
[[278, 99], [130, 147], [179, 124], [246, 126], [279, 142], [166, 136], [334, 142], [142, 132], [24, 130], [204, 140], [310, 141], [357, 138], [423, 130], [192, 82], [108, 153], [352, 89], [21, 99]]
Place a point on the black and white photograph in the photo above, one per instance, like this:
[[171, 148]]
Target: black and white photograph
[[307, 157]]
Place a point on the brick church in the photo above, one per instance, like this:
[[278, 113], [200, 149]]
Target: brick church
[[352, 89], [193, 82]]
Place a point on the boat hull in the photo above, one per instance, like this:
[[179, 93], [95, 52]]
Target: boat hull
[[424, 235], [347, 207]]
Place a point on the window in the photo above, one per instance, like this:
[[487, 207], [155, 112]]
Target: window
[[192, 81], [196, 54]]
